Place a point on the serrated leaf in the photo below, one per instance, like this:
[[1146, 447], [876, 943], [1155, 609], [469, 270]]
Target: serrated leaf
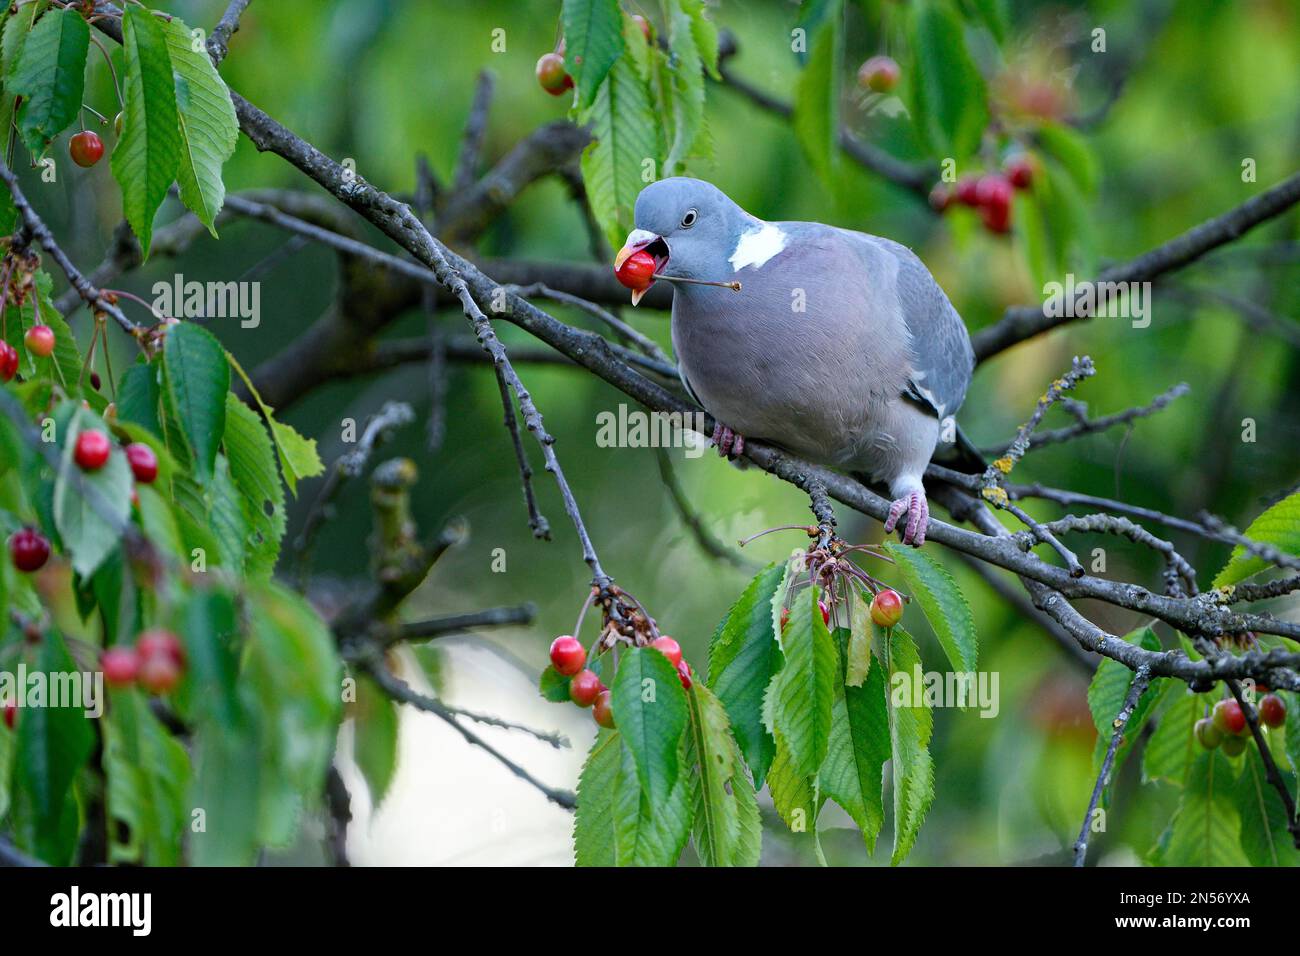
[[1206, 829], [728, 830], [593, 41], [687, 86], [90, 507], [942, 603], [646, 832], [816, 119], [860, 744], [138, 396], [208, 127], [375, 723], [910, 725], [147, 157], [17, 24], [298, 457], [706, 35], [1292, 728], [1172, 746], [950, 101], [198, 379], [651, 715], [1278, 525], [1264, 836], [593, 820], [793, 795], [554, 686], [743, 657], [800, 696], [1069, 148], [261, 498], [857, 662], [624, 130], [49, 73], [148, 773]]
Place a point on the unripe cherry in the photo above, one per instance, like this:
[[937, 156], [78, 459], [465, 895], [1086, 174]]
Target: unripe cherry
[[1234, 746], [552, 76], [568, 655], [1228, 717], [880, 74], [1208, 734], [941, 197], [585, 687], [887, 608], [40, 340], [603, 710]]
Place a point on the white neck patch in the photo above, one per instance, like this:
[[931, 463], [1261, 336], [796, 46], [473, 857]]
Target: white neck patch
[[757, 246]]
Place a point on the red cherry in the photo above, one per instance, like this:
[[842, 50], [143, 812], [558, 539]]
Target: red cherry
[[887, 608], [968, 191], [941, 197], [40, 340], [92, 449], [669, 648], [144, 463], [684, 674], [160, 643], [11, 714], [993, 190], [159, 673], [880, 74], [1020, 171], [603, 710], [1272, 711], [552, 76], [86, 148], [120, 665], [568, 655], [637, 270], [29, 549], [8, 361], [826, 613], [1228, 717], [785, 618], [584, 687]]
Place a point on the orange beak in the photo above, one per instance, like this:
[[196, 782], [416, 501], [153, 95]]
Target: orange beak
[[637, 240]]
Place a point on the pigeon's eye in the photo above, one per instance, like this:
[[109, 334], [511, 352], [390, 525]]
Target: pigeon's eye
[[688, 220]]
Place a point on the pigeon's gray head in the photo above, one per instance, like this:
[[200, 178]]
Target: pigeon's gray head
[[689, 226]]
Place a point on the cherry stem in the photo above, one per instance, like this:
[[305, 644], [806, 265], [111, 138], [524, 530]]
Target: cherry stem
[[577, 628], [135, 298], [733, 286], [784, 527]]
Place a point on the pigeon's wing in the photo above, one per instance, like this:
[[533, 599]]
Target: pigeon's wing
[[943, 358], [681, 374]]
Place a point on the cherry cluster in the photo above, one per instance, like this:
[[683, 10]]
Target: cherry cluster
[[1226, 725], [156, 662], [586, 689], [990, 194]]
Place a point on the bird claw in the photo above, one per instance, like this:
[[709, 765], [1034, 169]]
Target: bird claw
[[917, 510], [730, 444]]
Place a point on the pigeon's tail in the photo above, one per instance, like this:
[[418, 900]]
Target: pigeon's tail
[[960, 455]]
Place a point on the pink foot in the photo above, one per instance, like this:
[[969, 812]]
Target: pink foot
[[730, 444], [917, 510]]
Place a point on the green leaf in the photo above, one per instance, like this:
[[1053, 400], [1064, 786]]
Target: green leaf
[[649, 832], [1106, 694], [942, 603], [706, 35], [261, 498], [950, 101], [208, 625], [1278, 525], [198, 378], [148, 155], [910, 725], [1264, 835], [728, 831], [91, 508], [593, 820], [743, 657], [593, 41], [1292, 731], [1206, 829], [208, 127], [17, 25], [816, 118], [54, 743], [651, 715], [624, 130], [793, 794], [1172, 746], [687, 85], [800, 696], [375, 722], [139, 394], [298, 457], [148, 773], [1069, 148], [49, 74], [554, 686], [861, 630], [860, 744]]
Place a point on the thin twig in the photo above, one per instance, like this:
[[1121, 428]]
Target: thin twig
[[1087, 426], [228, 25], [537, 522], [471, 143], [705, 538], [458, 623]]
